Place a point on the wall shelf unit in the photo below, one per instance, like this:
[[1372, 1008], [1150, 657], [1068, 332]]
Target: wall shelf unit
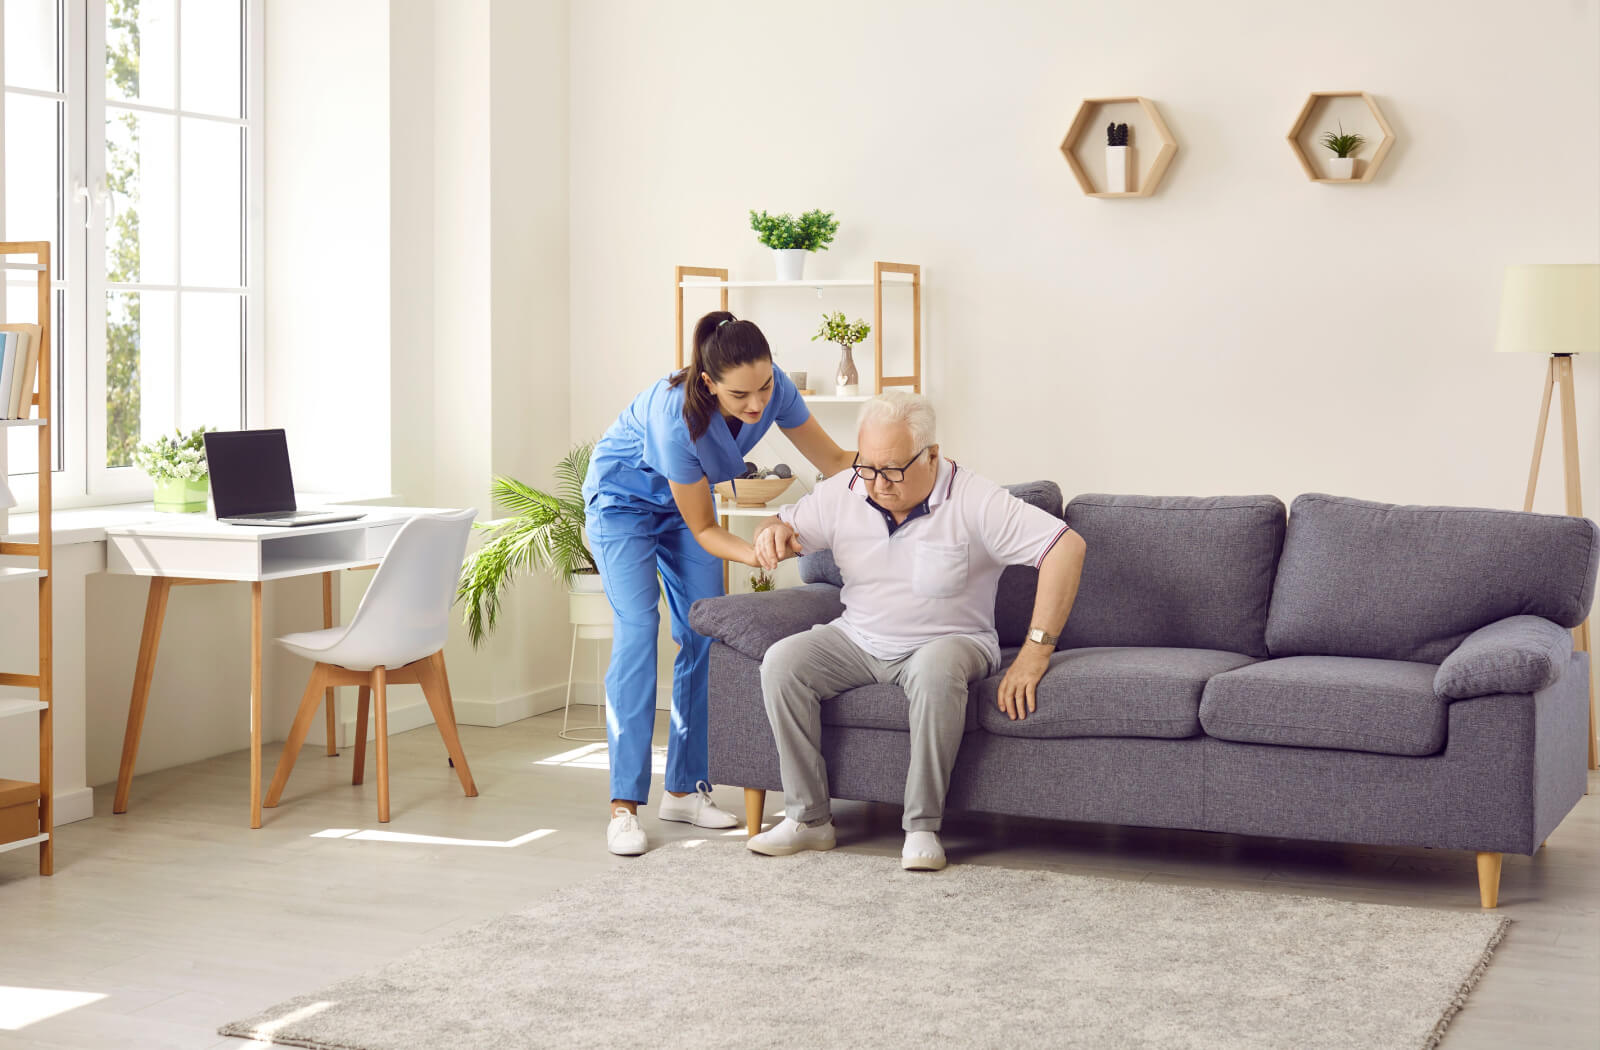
[[1083, 145], [1357, 107], [27, 815], [884, 274]]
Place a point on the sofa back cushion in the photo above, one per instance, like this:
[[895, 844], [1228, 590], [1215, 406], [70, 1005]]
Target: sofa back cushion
[[1410, 583], [1177, 572], [1013, 601]]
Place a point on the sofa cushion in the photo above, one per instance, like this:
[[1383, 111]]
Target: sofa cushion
[[1342, 702], [1013, 600], [1410, 583], [1145, 692], [880, 707], [1179, 572], [1520, 654], [752, 623]]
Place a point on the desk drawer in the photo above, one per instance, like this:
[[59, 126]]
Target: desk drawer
[[379, 537]]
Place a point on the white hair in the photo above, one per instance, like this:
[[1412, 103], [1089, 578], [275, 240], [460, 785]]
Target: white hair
[[898, 406]]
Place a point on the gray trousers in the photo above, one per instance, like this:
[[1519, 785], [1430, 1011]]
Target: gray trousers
[[803, 670]]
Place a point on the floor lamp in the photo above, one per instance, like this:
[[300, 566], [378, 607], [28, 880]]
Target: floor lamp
[[1555, 310]]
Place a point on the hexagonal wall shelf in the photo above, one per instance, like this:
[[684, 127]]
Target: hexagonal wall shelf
[[1357, 107], [1143, 119]]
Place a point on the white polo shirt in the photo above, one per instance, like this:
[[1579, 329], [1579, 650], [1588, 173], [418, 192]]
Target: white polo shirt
[[937, 573]]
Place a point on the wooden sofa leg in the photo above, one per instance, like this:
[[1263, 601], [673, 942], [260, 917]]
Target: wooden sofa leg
[[755, 804], [1489, 879]]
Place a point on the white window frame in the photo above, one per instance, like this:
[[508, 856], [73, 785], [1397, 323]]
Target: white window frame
[[82, 479]]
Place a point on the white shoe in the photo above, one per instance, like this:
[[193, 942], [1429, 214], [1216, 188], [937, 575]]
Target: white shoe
[[697, 809], [792, 837], [922, 852], [624, 836]]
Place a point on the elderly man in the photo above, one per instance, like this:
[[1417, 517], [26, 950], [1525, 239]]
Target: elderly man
[[921, 544]]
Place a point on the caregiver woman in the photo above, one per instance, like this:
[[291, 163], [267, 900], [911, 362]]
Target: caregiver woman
[[648, 496]]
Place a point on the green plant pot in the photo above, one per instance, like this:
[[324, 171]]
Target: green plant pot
[[180, 496]]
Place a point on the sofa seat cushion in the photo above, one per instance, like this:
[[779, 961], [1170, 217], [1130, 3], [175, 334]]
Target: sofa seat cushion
[[1114, 691], [880, 707], [1348, 703]]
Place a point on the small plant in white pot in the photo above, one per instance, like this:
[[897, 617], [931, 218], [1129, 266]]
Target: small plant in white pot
[[177, 465], [790, 238], [544, 532], [835, 329], [1344, 146], [1117, 158]]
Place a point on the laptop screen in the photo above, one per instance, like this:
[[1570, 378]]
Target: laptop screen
[[249, 472]]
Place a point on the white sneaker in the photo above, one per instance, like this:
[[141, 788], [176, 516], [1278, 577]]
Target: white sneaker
[[624, 836], [792, 837], [697, 808], [922, 852]]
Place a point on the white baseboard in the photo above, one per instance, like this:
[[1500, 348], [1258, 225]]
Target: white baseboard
[[73, 804], [411, 714], [493, 713]]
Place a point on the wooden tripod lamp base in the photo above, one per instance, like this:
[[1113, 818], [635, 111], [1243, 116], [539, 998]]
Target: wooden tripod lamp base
[[1560, 374]]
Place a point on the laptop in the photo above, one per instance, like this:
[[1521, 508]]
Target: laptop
[[251, 483]]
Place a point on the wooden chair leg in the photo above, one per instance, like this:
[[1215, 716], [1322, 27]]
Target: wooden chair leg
[[363, 702], [436, 689], [297, 732], [1489, 879], [331, 694], [380, 711], [755, 805]]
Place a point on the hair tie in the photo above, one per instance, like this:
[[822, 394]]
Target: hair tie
[[724, 321]]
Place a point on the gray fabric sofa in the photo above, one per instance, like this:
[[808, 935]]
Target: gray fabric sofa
[[1350, 672]]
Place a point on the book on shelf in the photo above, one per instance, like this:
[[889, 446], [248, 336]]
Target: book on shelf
[[19, 371], [8, 365]]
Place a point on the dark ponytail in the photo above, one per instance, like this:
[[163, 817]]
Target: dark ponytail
[[721, 342]]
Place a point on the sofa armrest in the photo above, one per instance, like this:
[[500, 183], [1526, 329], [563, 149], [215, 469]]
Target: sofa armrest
[[751, 623], [1519, 654]]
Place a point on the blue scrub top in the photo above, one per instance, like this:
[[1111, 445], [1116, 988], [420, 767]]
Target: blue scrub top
[[649, 445]]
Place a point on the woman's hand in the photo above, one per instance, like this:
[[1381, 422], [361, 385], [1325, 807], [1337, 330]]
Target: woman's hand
[[775, 543]]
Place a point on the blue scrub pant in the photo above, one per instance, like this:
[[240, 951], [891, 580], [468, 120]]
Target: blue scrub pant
[[631, 544]]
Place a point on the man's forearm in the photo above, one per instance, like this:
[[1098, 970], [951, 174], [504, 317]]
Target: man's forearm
[[1059, 575]]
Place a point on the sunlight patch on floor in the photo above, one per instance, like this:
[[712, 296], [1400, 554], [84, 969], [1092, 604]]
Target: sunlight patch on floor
[[593, 756], [378, 835], [20, 1007]]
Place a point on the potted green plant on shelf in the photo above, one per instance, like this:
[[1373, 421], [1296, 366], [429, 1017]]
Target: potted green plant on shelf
[[835, 329], [790, 238], [1345, 145], [177, 465], [544, 532]]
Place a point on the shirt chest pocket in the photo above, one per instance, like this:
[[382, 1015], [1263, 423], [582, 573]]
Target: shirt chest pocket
[[940, 570]]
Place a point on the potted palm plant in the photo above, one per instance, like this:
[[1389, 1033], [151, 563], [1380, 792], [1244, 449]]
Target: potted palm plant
[[790, 238], [177, 465], [1345, 145], [544, 532]]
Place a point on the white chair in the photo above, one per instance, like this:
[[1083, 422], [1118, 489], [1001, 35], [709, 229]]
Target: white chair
[[397, 637]]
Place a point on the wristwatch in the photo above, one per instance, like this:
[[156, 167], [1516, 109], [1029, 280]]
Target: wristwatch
[[1038, 634]]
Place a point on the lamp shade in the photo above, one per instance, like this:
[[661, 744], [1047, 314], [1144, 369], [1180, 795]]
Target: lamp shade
[[1550, 309]]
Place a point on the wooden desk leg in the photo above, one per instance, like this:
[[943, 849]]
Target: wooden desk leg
[[155, 613], [329, 694], [255, 704]]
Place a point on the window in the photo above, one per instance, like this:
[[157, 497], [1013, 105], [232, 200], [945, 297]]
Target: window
[[132, 139]]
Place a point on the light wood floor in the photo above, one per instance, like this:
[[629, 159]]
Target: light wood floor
[[183, 918]]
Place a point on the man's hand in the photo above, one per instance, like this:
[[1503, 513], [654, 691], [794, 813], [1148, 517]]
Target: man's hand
[[1022, 678], [777, 542]]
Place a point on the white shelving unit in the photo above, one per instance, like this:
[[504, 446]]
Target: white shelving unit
[[27, 815], [906, 276]]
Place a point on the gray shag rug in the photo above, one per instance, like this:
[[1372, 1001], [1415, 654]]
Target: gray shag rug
[[834, 949]]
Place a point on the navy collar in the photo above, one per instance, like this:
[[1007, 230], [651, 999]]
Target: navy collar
[[918, 511], [944, 482]]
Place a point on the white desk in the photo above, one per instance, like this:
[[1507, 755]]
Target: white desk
[[190, 549]]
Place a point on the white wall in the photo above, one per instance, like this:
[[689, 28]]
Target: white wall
[[1243, 331], [327, 240]]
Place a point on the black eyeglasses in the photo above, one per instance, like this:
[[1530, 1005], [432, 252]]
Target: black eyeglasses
[[893, 474]]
